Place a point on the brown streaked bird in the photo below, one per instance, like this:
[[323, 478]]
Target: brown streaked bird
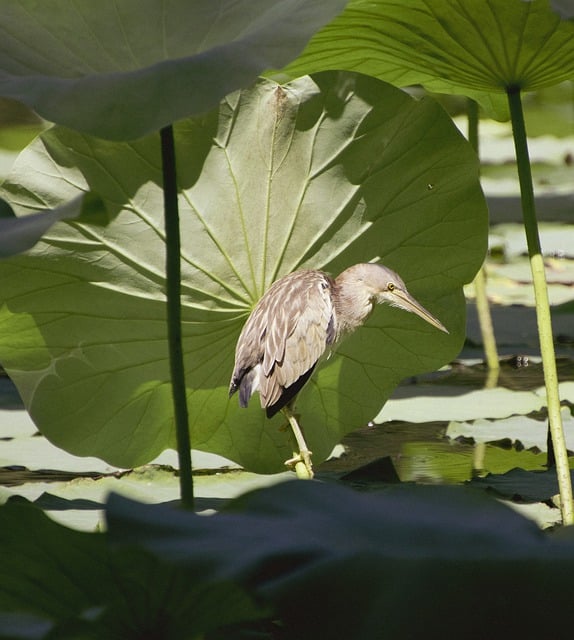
[[300, 318]]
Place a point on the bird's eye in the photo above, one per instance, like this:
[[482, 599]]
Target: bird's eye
[[391, 286]]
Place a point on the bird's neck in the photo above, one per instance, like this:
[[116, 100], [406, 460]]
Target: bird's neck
[[352, 307]]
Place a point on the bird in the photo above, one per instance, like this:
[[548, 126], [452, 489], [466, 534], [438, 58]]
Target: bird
[[298, 322]]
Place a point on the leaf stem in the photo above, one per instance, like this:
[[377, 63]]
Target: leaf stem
[[173, 295], [542, 303], [482, 305]]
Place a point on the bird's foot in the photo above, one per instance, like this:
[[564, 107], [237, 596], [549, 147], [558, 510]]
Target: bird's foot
[[301, 464]]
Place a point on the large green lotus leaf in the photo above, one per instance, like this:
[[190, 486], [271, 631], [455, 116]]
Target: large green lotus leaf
[[335, 563], [469, 47], [76, 584], [122, 70], [319, 173]]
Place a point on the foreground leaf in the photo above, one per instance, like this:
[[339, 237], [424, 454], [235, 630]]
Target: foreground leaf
[[34, 550], [320, 173], [336, 563], [148, 62], [54, 578]]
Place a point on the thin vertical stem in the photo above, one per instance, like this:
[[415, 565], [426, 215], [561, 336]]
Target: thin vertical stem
[[486, 328], [482, 305], [173, 295], [542, 304]]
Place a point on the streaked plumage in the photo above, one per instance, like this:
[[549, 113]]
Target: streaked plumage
[[301, 317], [284, 337]]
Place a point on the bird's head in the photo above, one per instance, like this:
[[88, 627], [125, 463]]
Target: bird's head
[[383, 285]]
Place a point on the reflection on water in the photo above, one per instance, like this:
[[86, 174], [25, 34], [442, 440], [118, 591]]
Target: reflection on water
[[422, 453], [519, 373]]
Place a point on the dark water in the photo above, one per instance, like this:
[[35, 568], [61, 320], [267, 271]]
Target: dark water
[[518, 372]]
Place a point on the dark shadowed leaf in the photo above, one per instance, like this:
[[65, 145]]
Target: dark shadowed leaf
[[521, 485], [51, 576], [336, 563], [43, 564]]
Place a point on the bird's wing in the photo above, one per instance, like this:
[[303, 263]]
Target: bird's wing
[[283, 338], [300, 326]]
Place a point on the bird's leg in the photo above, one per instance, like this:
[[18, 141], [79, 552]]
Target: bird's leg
[[301, 460]]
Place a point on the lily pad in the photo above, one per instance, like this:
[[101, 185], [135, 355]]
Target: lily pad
[[527, 486], [78, 502], [556, 240], [319, 173]]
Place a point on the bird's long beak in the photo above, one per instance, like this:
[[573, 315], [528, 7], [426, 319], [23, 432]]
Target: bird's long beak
[[404, 300]]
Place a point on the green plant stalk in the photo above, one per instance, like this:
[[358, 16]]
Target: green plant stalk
[[486, 328], [173, 295], [482, 305], [542, 304]]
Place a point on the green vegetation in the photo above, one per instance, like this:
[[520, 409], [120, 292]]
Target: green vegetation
[[266, 176]]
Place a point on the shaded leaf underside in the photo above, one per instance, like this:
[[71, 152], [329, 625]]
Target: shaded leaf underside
[[477, 49]]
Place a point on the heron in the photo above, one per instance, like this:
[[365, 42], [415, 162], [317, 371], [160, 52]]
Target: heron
[[298, 322]]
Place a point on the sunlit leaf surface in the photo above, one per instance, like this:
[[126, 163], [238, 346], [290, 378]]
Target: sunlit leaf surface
[[319, 173]]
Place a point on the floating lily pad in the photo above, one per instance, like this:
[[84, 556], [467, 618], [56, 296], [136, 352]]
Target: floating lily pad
[[518, 484], [556, 240], [78, 503]]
